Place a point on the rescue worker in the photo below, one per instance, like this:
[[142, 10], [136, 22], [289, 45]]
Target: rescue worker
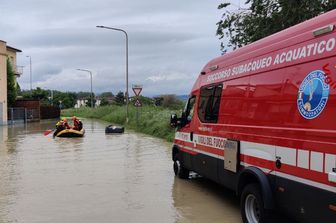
[[65, 124], [77, 124], [61, 125]]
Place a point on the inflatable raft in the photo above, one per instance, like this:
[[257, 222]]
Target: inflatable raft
[[69, 133]]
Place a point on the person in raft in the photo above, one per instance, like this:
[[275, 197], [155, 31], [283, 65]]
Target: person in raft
[[61, 125], [77, 124]]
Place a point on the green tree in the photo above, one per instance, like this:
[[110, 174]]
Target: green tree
[[106, 94], [71, 99], [11, 88], [18, 89], [104, 102], [66, 99], [40, 94], [265, 17], [82, 95], [158, 101], [146, 100], [106, 97], [88, 103], [171, 101], [120, 98]]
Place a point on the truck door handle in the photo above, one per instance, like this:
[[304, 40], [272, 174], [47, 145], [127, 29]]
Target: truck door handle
[[191, 136]]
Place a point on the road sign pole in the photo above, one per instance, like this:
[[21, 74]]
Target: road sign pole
[[137, 116], [137, 90]]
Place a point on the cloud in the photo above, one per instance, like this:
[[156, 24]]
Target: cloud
[[168, 77], [169, 42]]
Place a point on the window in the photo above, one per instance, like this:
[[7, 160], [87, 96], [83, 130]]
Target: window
[[208, 107], [189, 109]]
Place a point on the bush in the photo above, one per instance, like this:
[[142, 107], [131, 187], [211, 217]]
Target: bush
[[11, 87], [171, 101]]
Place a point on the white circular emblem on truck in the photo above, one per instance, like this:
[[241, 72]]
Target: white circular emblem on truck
[[313, 95]]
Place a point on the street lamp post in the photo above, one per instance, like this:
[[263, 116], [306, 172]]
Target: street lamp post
[[126, 35], [51, 98], [91, 84], [31, 74]]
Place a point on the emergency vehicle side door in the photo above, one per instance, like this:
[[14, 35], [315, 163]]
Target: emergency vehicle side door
[[207, 162], [189, 128]]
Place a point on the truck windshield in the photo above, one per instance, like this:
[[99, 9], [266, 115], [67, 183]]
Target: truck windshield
[[189, 108]]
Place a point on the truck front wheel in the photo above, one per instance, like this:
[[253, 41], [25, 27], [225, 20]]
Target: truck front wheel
[[252, 205], [180, 170]]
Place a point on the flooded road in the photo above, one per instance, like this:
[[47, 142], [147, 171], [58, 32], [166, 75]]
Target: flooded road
[[100, 178]]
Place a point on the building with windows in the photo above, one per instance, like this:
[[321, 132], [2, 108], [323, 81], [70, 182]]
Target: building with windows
[[6, 52], [81, 102]]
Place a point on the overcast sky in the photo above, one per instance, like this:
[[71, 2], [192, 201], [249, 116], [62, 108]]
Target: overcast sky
[[169, 42]]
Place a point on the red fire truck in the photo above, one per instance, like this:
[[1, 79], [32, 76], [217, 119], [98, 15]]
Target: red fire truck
[[261, 120]]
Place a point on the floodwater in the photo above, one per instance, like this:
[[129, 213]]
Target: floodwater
[[100, 178]]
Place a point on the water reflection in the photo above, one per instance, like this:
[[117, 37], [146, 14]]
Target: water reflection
[[200, 200], [9, 174], [100, 178], [3, 136]]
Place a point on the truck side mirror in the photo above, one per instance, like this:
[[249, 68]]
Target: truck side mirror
[[173, 120], [184, 119]]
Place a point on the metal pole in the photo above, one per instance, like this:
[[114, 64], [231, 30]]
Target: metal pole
[[137, 116], [91, 90], [91, 96], [126, 92], [25, 115], [31, 74], [12, 116]]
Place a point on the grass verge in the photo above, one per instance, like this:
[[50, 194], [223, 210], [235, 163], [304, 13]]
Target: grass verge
[[152, 120]]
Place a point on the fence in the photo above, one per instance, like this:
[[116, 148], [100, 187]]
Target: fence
[[33, 114], [17, 115], [48, 112], [22, 115]]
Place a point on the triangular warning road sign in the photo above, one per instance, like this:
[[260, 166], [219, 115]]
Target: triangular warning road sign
[[137, 91], [137, 103]]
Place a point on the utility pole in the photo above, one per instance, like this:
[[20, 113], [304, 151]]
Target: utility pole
[[91, 84], [126, 92], [31, 75]]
